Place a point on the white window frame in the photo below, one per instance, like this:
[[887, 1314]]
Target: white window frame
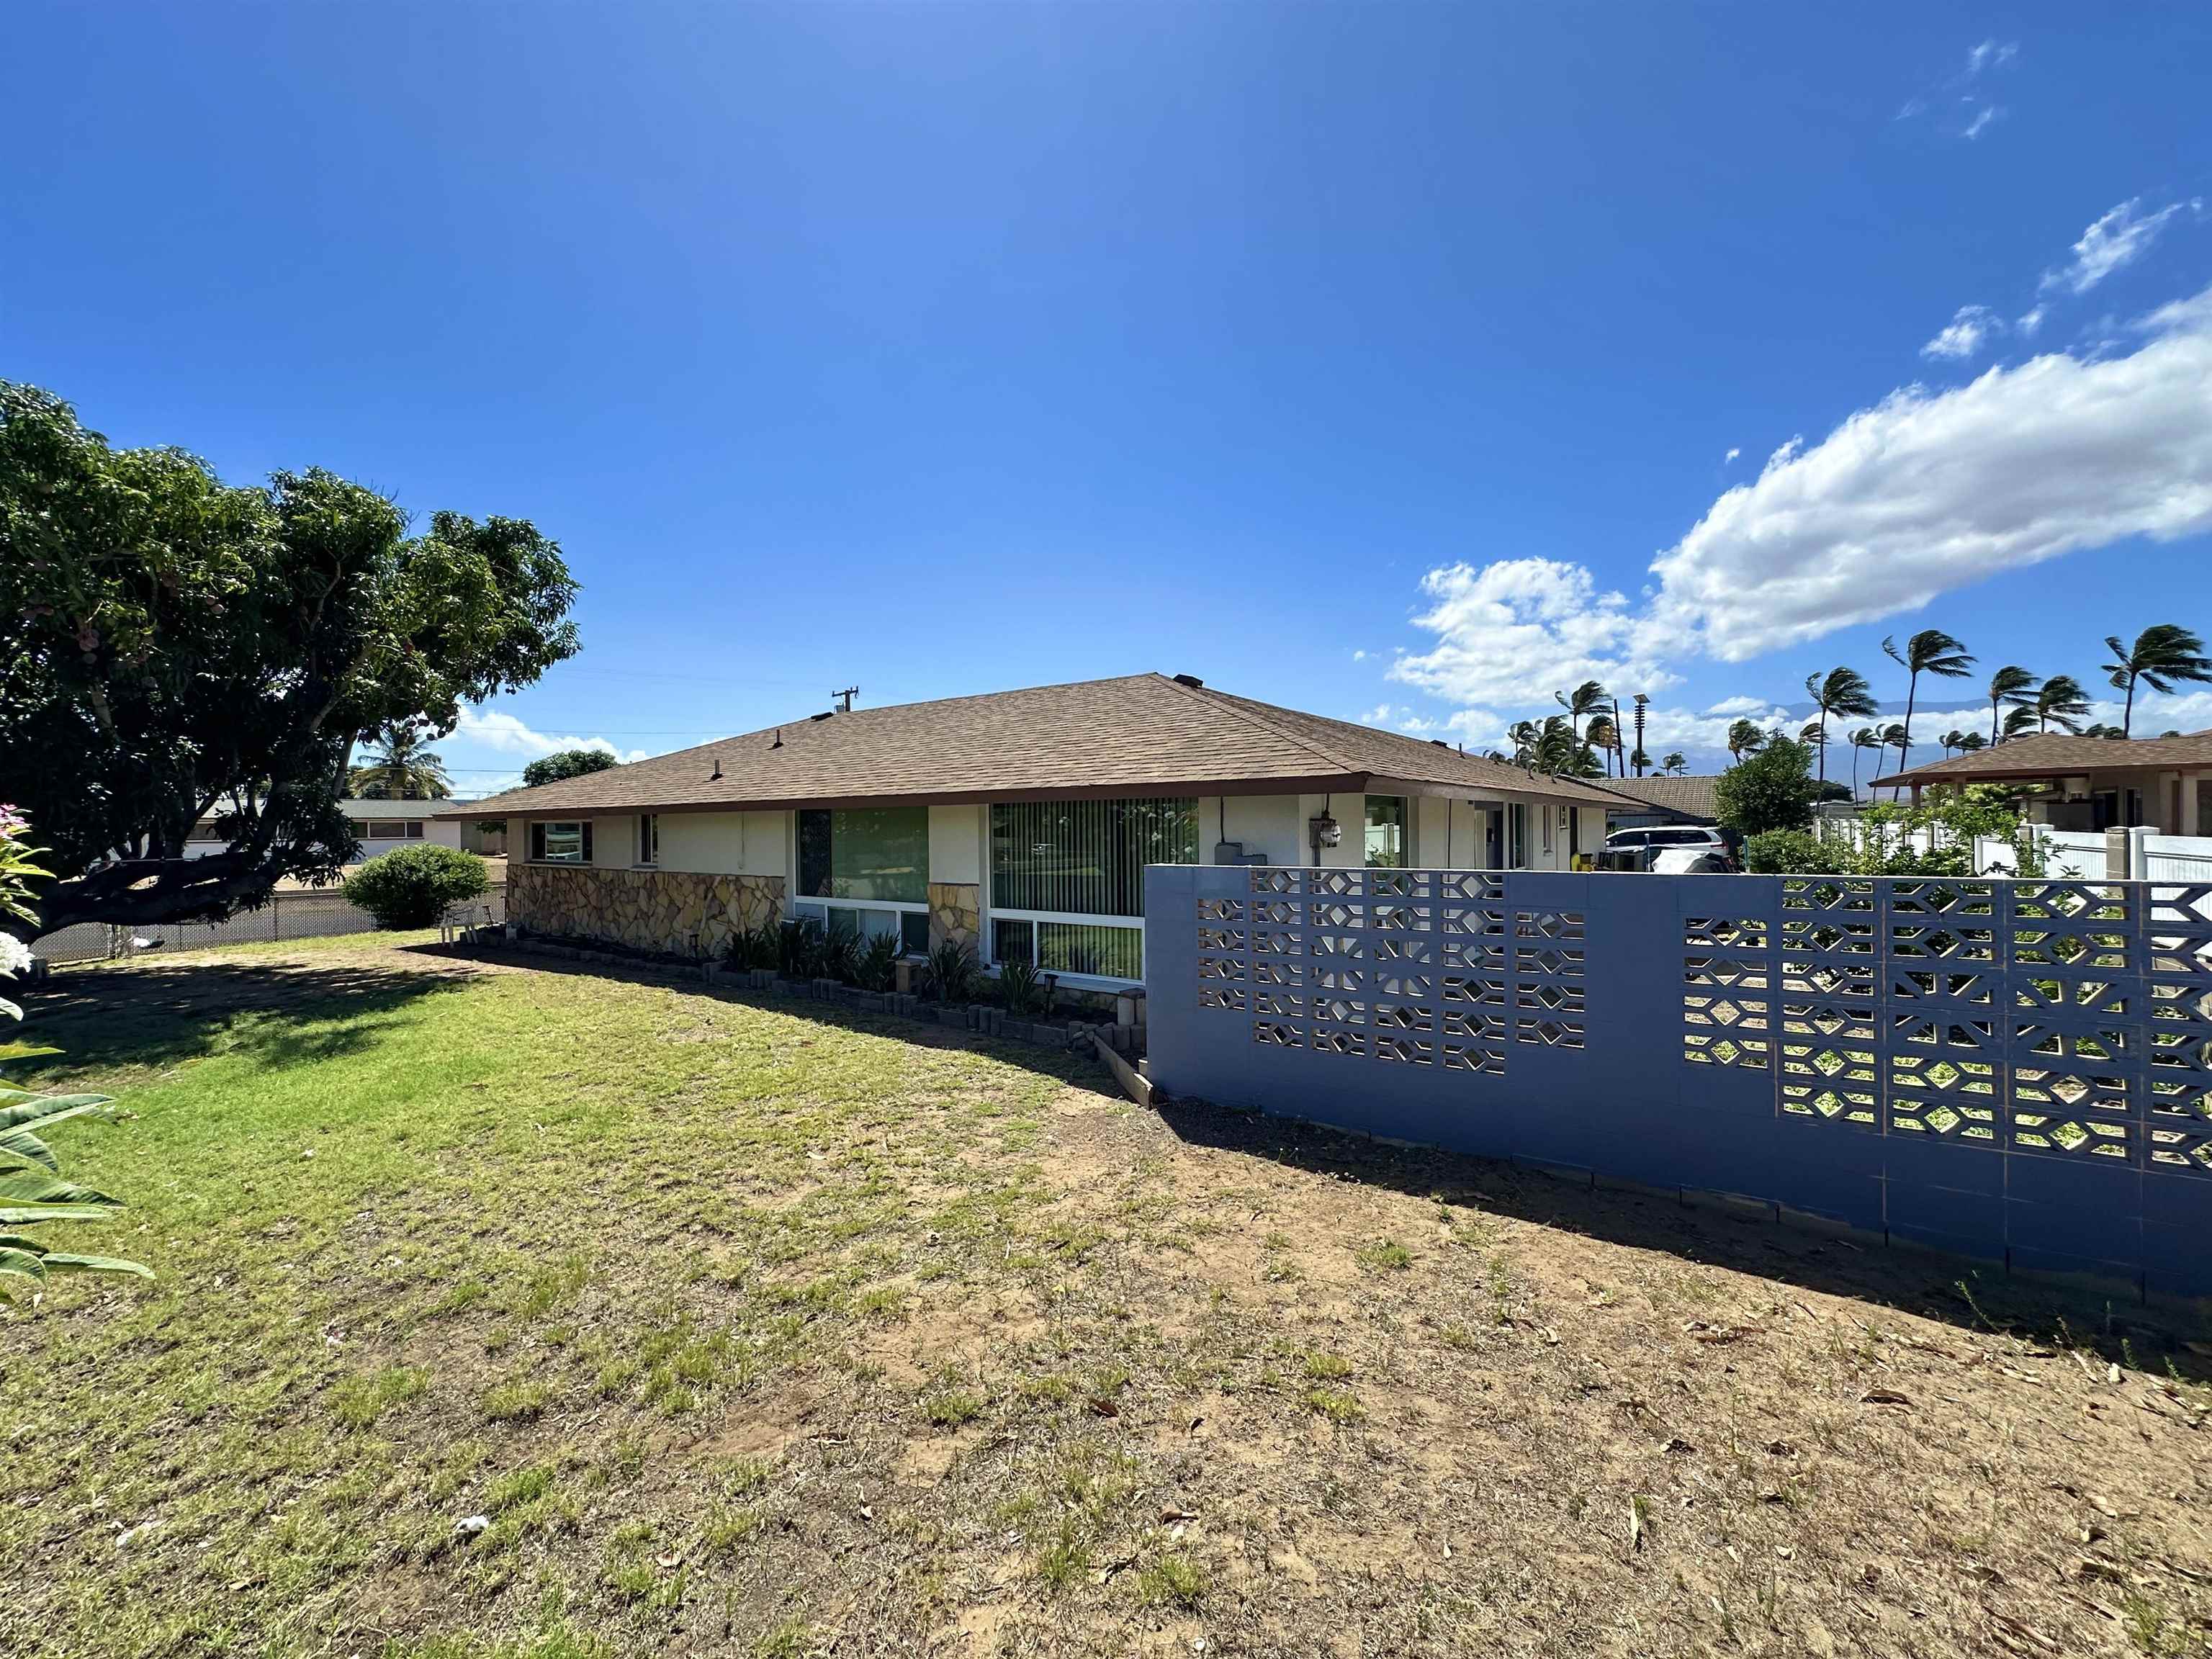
[[648, 841], [989, 953], [798, 909], [584, 837]]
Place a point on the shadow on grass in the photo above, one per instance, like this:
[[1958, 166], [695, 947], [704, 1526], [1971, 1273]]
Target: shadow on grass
[[1077, 1070], [151, 1016], [1959, 1291]]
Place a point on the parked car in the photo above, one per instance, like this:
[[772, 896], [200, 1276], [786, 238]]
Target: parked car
[[1673, 850]]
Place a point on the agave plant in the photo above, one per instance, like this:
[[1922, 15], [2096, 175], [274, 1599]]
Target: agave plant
[[1019, 984], [798, 949], [877, 967], [840, 956], [952, 971]]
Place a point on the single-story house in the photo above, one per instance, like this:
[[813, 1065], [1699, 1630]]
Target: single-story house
[[1663, 799], [1016, 823], [382, 825], [2078, 783]]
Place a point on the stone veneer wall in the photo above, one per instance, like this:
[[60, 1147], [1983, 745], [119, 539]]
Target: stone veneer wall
[[956, 912], [643, 909]]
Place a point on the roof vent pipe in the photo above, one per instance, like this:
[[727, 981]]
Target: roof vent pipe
[[778, 744], [1190, 680], [716, 776]]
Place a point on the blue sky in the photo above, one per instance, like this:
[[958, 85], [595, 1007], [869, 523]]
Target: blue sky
[[1401, 362]]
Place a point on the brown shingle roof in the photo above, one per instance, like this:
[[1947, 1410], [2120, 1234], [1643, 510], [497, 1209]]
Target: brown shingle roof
[[1142, 733], [2053, 754], [1690, 794]]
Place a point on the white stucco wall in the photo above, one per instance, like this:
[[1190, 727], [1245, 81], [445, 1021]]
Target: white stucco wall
[[726, 843], [1269, 824], [955, 843]]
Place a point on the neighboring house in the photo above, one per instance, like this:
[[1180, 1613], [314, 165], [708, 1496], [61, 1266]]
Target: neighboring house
[[1659, 799], [2087, 783], [381, 825], [1018, 823]]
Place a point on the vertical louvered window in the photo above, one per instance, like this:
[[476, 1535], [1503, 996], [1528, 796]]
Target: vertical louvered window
[[1085, 856]]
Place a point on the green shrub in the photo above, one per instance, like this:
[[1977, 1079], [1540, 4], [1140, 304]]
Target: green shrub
[[1773, 789], [412, 886], [1788, 853], [798, 949]]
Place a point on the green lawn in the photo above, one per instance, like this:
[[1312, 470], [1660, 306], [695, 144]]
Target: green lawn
[[759, 1331]]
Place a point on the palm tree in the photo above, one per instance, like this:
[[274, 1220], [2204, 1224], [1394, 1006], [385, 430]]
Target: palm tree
[[1603, 737], [2101, 730], [1864, 738], [2162, 654], [1674, 761], [403, 768], [1839, 691], [2060, 701], [2018, 722], [1744, 738], [1970, 741], [2009, 684], [1524, 733], [1948, 741], [1931, 651], [1586, 699]]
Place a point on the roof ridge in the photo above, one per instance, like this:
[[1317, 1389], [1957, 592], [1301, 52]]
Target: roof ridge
[[1239, 707]]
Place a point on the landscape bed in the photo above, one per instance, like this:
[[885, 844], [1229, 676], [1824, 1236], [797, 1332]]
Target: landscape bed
[[535, 1310]]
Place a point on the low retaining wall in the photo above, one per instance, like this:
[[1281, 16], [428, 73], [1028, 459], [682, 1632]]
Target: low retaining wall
[[665, 910], [2014, 1069]]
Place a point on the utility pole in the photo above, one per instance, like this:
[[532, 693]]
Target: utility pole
[[1641, 700], [845, 698]]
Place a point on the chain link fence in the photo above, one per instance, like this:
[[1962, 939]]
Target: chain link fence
[[287, 915]]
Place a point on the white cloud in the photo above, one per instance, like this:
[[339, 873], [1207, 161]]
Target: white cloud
[[1516, 629], [1378, 715], [1978, 123], [2119, 238], [1970, 325], [503, 732], [1926, 492], [1735, 450], [1359, 656], [1989, 54], [2031, 322]]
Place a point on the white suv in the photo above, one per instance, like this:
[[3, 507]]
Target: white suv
[[1670, 849]]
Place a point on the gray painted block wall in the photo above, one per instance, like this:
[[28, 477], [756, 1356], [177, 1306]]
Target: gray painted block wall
[[2018, 1069]]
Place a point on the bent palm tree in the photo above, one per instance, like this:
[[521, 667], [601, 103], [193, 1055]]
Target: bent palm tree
[[1862, 738], [1603, 737], [2060, 701], [1970, 741], [403, 768], [2010, 685], [2162, 654], [1586, 699], [1931, 651], [2018, 722], [1839, 691], [1744, 738], [1674, 761]]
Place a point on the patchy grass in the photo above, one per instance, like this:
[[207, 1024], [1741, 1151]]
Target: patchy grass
[[752, 1332]]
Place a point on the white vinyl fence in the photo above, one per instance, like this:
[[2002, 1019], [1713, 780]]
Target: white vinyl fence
[[286, 915], [2073, 854]]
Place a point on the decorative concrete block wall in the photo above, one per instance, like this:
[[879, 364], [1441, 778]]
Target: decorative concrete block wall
[[956, 912], [670, 910], [2020, 1069]]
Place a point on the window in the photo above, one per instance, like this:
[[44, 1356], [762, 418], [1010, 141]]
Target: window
[[875, 853], [392, 829], [648, 838], [1059, 869], [1516, 835], [1386, 832], [865, 870], [561, 843], [414, 828], [1085, 857]]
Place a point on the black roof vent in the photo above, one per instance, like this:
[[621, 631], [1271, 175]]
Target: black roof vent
[[1190, 680], [1439, 743], [823, 715]]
